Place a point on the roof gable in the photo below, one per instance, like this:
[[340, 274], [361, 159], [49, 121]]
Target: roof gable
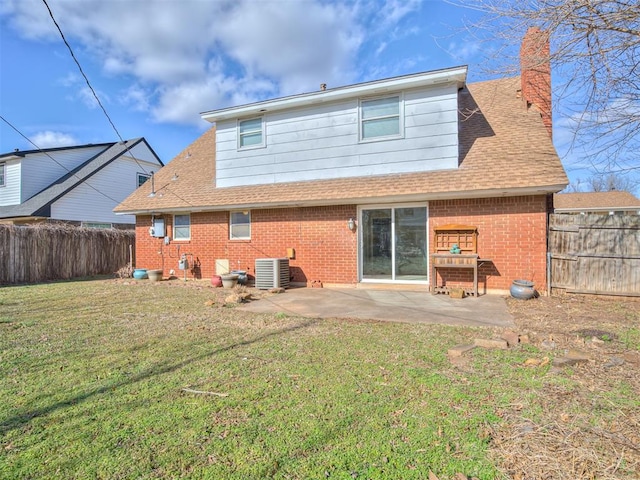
[[40, 203]]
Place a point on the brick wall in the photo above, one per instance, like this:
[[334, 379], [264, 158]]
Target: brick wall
[[535, 74], [511, 232], [325, 249]]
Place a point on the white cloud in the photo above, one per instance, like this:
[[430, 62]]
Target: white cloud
[[464, 51], [137, 97], [302, 44], [175, 59], [395, 10], [50, 139]]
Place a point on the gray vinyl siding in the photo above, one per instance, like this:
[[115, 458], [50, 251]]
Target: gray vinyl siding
[[39, 170], [322, 142], [10, 192], [117, 180]]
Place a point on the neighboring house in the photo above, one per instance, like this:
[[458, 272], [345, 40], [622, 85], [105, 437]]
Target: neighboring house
[[596, 202], [79, 184], [350, 183]]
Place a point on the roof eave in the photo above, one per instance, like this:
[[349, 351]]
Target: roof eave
[[416, 197], [457, 75], [598, 209]]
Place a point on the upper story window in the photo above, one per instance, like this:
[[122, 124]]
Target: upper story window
[[240, 226], [182, 227], [2, 174], [381, 118], [143, 177], [251, 133]]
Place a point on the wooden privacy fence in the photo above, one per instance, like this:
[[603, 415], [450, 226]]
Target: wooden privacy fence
[[595, 253], [31, 254]]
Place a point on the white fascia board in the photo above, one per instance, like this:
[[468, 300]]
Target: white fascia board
[[11, 157], [456, 75], [417, 197]]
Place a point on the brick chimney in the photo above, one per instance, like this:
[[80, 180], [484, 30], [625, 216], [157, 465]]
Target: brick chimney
[[535, 73]]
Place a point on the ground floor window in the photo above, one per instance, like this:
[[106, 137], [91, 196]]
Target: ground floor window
[[182, 227], [393, 243], [240, 225]]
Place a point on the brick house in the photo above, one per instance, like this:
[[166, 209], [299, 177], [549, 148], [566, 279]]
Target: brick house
[[351, 183]]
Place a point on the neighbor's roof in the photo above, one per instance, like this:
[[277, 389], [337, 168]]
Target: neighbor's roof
[[595, 201], [39, 205], [504, 151]]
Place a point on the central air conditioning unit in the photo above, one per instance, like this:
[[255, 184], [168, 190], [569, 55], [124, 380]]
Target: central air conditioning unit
[[272, 273]]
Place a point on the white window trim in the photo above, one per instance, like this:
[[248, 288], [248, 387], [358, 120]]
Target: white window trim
[[141, 175], [400, 119], [262, 144], [231, 237], [3, 169], [174, 227], [360, 240]]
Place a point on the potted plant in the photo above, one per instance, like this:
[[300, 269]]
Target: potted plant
[[154, 275], [522, 289], [140, 273], [229, 280]]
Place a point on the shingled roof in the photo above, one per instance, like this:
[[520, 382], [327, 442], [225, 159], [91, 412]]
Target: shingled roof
[[505, 150], [595, 201]]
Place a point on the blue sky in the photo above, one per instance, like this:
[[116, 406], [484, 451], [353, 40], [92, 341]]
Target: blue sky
[[156, 64]]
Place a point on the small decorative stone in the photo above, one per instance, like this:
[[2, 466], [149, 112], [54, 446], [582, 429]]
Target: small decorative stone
[[493, 343], [576, 354], [548, 345], [614, 362], [460, 350], [566, 361], [511, 337]]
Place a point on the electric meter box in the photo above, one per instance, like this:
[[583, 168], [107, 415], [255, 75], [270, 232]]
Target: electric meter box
[[183, 264]]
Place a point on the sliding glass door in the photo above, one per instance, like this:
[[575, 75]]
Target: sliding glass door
[[393, 244]]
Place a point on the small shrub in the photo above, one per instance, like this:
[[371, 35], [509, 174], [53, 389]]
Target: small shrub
[[125, 272]]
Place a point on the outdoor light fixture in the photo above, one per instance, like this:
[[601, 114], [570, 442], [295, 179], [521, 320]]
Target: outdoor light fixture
[[351, 223], [175, 177], [153, 187]]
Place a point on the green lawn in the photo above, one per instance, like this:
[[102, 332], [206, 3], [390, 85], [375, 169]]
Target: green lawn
[[92, 376]]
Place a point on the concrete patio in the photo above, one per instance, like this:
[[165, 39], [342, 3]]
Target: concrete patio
[[386, 305]]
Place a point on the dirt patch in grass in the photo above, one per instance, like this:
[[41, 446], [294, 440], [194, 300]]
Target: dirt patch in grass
[[586, 420]]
